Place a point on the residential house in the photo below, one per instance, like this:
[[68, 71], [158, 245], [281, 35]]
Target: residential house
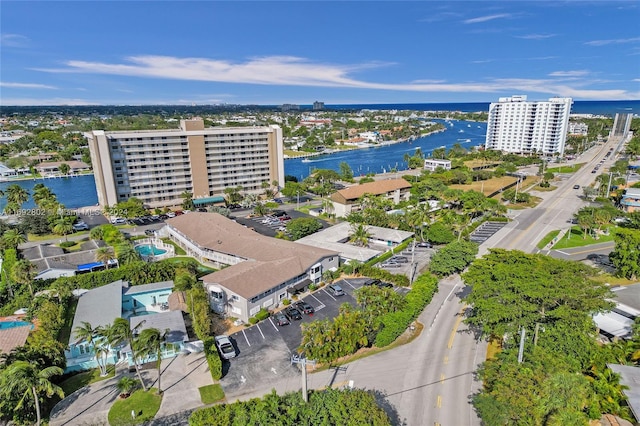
[[146, 304], [631, 200], [347, 200], [432, 164]]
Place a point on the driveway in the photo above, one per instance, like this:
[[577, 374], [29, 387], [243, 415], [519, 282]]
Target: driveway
[[181, 378]]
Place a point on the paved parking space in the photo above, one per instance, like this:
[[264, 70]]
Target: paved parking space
[[420, 257], [264, 350], [270, 229]]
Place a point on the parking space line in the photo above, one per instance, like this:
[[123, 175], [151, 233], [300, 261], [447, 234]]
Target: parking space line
[[320, 306], [245, 337], [329, 295], [274, 326], [260, 330], [352, 286]]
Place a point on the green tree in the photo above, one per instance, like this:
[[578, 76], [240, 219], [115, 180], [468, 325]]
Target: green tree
[[453, 258], [119, 333], [346, 174], [303, 226], [16, 195], [13, 238], [234, 194], [187, 200], [28, 380], [23, 272], [626, 254], [151, 342], [63, 226], [64, 168], [126, 385], [105, 255], [359, 235], [512, 289], [438, 233], [126, 254], [97, 341], [97, 233]]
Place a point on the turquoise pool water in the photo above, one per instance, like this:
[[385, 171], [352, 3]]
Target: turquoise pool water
[[149, 250], [12, 324]]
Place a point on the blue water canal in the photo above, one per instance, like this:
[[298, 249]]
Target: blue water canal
[[382, 159], [73, 192]]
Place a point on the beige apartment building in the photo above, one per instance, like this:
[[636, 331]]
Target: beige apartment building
[[158, 166]]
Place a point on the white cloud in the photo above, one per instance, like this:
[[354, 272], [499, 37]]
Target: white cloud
[[13, 40], [612, 41], [486, 18], [536, 36], [25, 85], [576, 73], [295, 71]]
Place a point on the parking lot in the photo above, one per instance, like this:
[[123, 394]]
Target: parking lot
[[270, 224], [264, 350], [402, 264]]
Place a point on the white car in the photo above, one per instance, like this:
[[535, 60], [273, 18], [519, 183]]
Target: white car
[[118, 221], [80, 226], [225, 347]]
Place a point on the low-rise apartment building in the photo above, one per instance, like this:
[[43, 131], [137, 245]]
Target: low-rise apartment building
[[256, 271], [630, 201], [432, 164]]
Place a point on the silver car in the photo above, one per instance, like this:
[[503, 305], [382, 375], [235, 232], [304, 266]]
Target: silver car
[[225, 347]]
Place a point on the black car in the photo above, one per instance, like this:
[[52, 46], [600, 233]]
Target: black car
[[293, 314], [377, 283], [149, 232], [304, 307], [281, 319], [424, 244], [400, 259]]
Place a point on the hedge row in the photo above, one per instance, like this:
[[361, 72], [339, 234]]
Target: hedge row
[[395, 323], [136, 273], [10, 258], [386, 255], [213, 358], [400, 280]]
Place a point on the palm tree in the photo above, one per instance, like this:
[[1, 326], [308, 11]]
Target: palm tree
[[94, 337], [26, 379], [601, 217], [23, 272], [125, 385], [13, 238], [359, 235], [16, 195], [187, 202], [63, 226], [126, 254], [151, 341], [43, 196], [105, 255], [120, 333], [97, 233]]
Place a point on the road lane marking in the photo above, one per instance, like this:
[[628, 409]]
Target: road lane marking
[[455, 328], [446, 360], [442, 378], [334, 299], [245, 337], [260, 330], [350, 284], [439, 401]]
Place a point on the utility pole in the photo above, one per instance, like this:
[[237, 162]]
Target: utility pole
[[521, 350], [300, 359], [609, 185]]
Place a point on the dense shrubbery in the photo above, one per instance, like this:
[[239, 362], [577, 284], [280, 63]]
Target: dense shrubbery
[[213, 358], [395, 323], [135, 273], [384, 275], [453, 258], [440, 234], [200, 312], [327, 407]]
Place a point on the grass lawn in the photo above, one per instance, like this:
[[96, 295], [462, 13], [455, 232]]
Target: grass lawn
[[201, 269], [481, 163], [488, 186], [65, 331], [85, 378], [613, 280], [305, 209], [144, 404], [577, 239], [565, 169], [547, 239], [178, 250], [542, 189], [520, 206], [211, 393]]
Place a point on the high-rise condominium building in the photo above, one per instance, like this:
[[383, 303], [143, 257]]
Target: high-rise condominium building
[[520, 126], [158, 166]]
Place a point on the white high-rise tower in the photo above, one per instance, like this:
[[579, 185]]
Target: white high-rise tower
[[520, 126]]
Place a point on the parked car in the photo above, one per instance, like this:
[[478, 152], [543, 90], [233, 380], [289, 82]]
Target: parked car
[[336, 290], [424, 244], [225, 347], [149, 232], [576, 186], [304, 307], [171, 214], [292, 313], [377, 283], [400, 259], [390, 264], [80, 226], [281, 319], [118, 221]]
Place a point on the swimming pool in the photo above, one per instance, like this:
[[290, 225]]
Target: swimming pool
[[4, 325], [149, 250]]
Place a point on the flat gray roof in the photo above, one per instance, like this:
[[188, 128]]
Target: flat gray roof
[[161, 285], [628, 295], [171, 321], [630, 377], [99, 307]]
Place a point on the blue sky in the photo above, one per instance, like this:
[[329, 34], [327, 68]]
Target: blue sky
[[338, 52]]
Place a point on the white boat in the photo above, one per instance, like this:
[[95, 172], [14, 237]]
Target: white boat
[[460, 131], [468, 125], [306, 160]]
